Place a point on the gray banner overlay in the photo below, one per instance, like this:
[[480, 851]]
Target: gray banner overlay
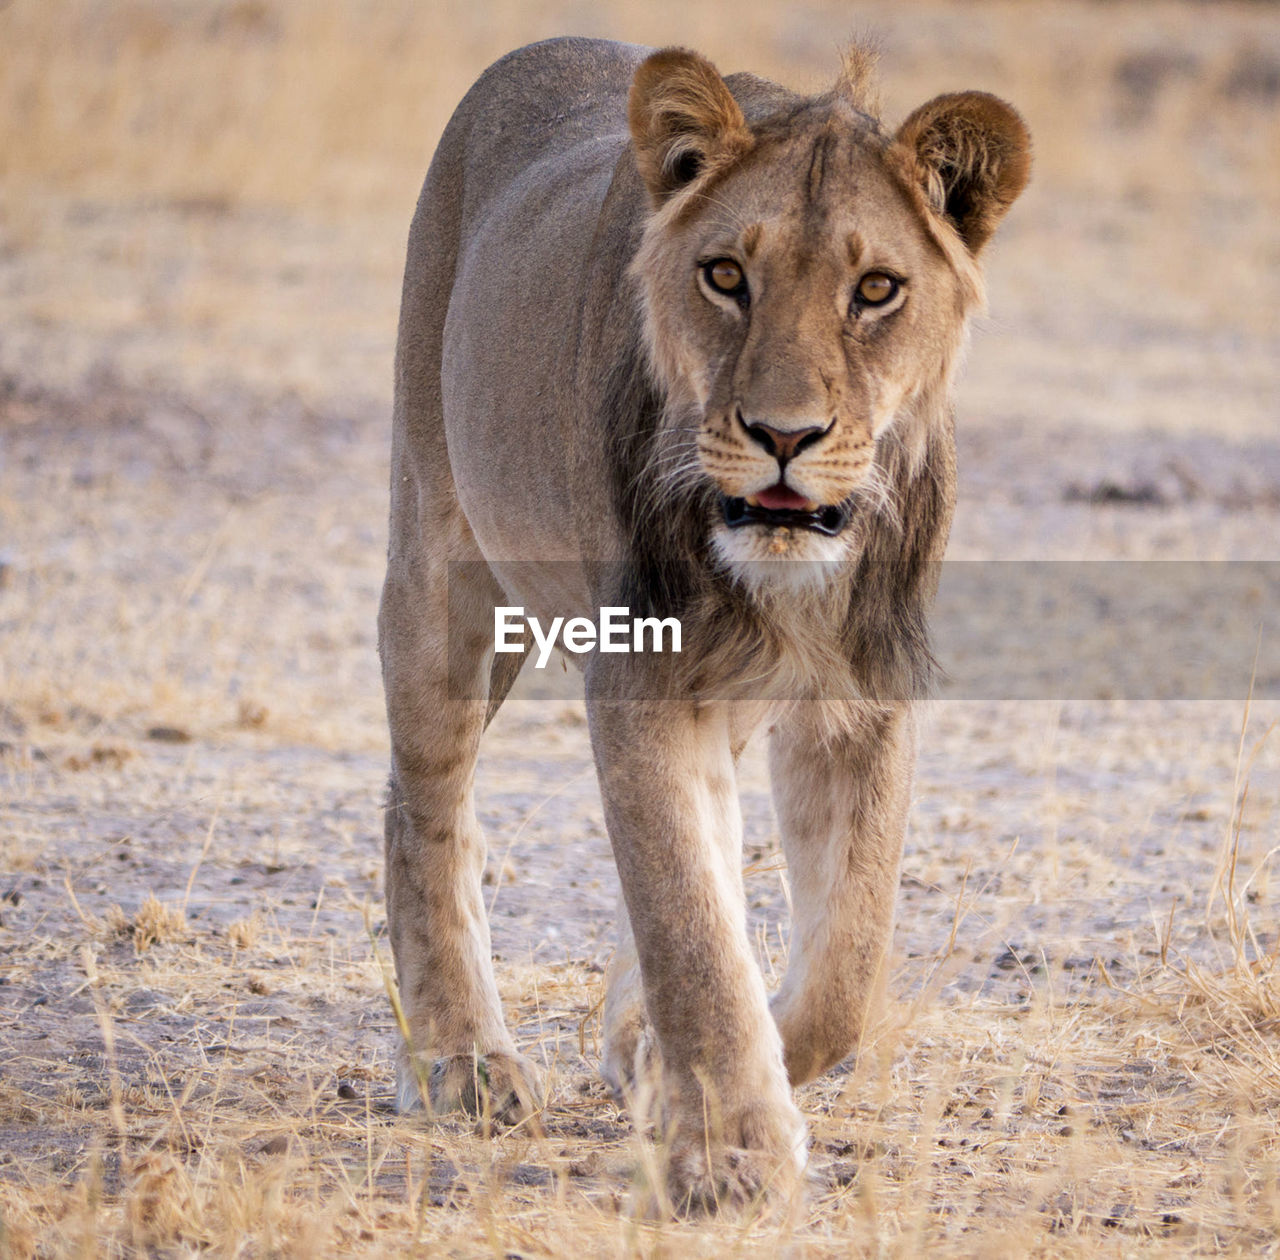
[[1000, 630], [1102, 630]]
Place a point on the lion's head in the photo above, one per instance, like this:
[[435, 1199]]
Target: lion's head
[[806, 280]]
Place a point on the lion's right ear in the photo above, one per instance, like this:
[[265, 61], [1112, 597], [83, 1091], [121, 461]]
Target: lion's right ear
[[683, 120]]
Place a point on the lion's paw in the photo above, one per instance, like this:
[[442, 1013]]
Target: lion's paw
[[762, 1166], [505, 1088], [730, 1178]]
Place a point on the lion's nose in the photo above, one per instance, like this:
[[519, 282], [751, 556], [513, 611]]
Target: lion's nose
[[783, 444]]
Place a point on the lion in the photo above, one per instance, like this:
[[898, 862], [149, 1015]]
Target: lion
[[684, 344]]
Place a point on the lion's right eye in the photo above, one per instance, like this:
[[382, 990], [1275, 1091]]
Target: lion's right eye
[[725, 276]]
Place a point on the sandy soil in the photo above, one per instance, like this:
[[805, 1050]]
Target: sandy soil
[[189, 601]]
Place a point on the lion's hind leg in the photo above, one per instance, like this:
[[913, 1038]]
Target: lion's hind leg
[[628, 1044]]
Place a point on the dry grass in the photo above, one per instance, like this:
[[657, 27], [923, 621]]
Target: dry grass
[[334, 106], [202, 215], [1078, 1055], [221, 1084], [222, 187]]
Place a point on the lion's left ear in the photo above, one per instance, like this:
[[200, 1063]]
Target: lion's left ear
[[683, 119], [972, 153]]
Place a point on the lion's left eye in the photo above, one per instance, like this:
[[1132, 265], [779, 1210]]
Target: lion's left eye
[[876, 288]]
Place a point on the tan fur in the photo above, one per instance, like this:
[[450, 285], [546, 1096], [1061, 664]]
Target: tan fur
[[573, 400], [857, 81], [682, 112]]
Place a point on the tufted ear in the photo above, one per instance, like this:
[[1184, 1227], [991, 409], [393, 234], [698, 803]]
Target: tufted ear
[[683, 120], [972, 153]]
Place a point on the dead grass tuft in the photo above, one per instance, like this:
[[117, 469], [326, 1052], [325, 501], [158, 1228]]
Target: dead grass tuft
[[153, 924], [159, 1207], [157, 924], [245, 933], [101, 757]]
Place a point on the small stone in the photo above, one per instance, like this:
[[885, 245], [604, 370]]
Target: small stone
[[169, 734]]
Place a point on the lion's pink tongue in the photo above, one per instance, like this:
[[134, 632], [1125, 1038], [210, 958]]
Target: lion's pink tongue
[[780, 497]]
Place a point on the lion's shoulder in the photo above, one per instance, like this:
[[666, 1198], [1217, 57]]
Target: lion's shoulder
[[552, 90]]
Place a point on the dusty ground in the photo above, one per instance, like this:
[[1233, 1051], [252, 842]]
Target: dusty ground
[[1078, 1055]]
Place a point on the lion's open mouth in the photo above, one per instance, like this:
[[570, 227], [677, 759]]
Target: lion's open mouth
[[780, 506]]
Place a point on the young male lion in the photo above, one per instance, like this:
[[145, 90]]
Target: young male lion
[[681, 344]]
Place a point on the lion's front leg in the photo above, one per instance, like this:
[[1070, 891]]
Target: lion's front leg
[[666, 771], [842, 806], [628, 1041]]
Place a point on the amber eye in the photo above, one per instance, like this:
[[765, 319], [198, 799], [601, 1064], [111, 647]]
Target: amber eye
[[876, 288], [724, 275]]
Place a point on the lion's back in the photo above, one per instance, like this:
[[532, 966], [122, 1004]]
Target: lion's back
[[499, 253], [538, 104]]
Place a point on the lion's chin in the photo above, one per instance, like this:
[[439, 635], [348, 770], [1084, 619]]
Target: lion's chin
[[781, 558]]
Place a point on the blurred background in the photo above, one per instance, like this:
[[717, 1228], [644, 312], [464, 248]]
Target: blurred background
[[198, 192], [203, 212]]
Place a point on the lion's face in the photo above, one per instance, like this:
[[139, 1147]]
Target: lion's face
[[800, 308], [803, 304]]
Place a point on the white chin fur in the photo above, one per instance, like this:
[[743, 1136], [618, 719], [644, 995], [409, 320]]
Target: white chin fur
[[779, 559]]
